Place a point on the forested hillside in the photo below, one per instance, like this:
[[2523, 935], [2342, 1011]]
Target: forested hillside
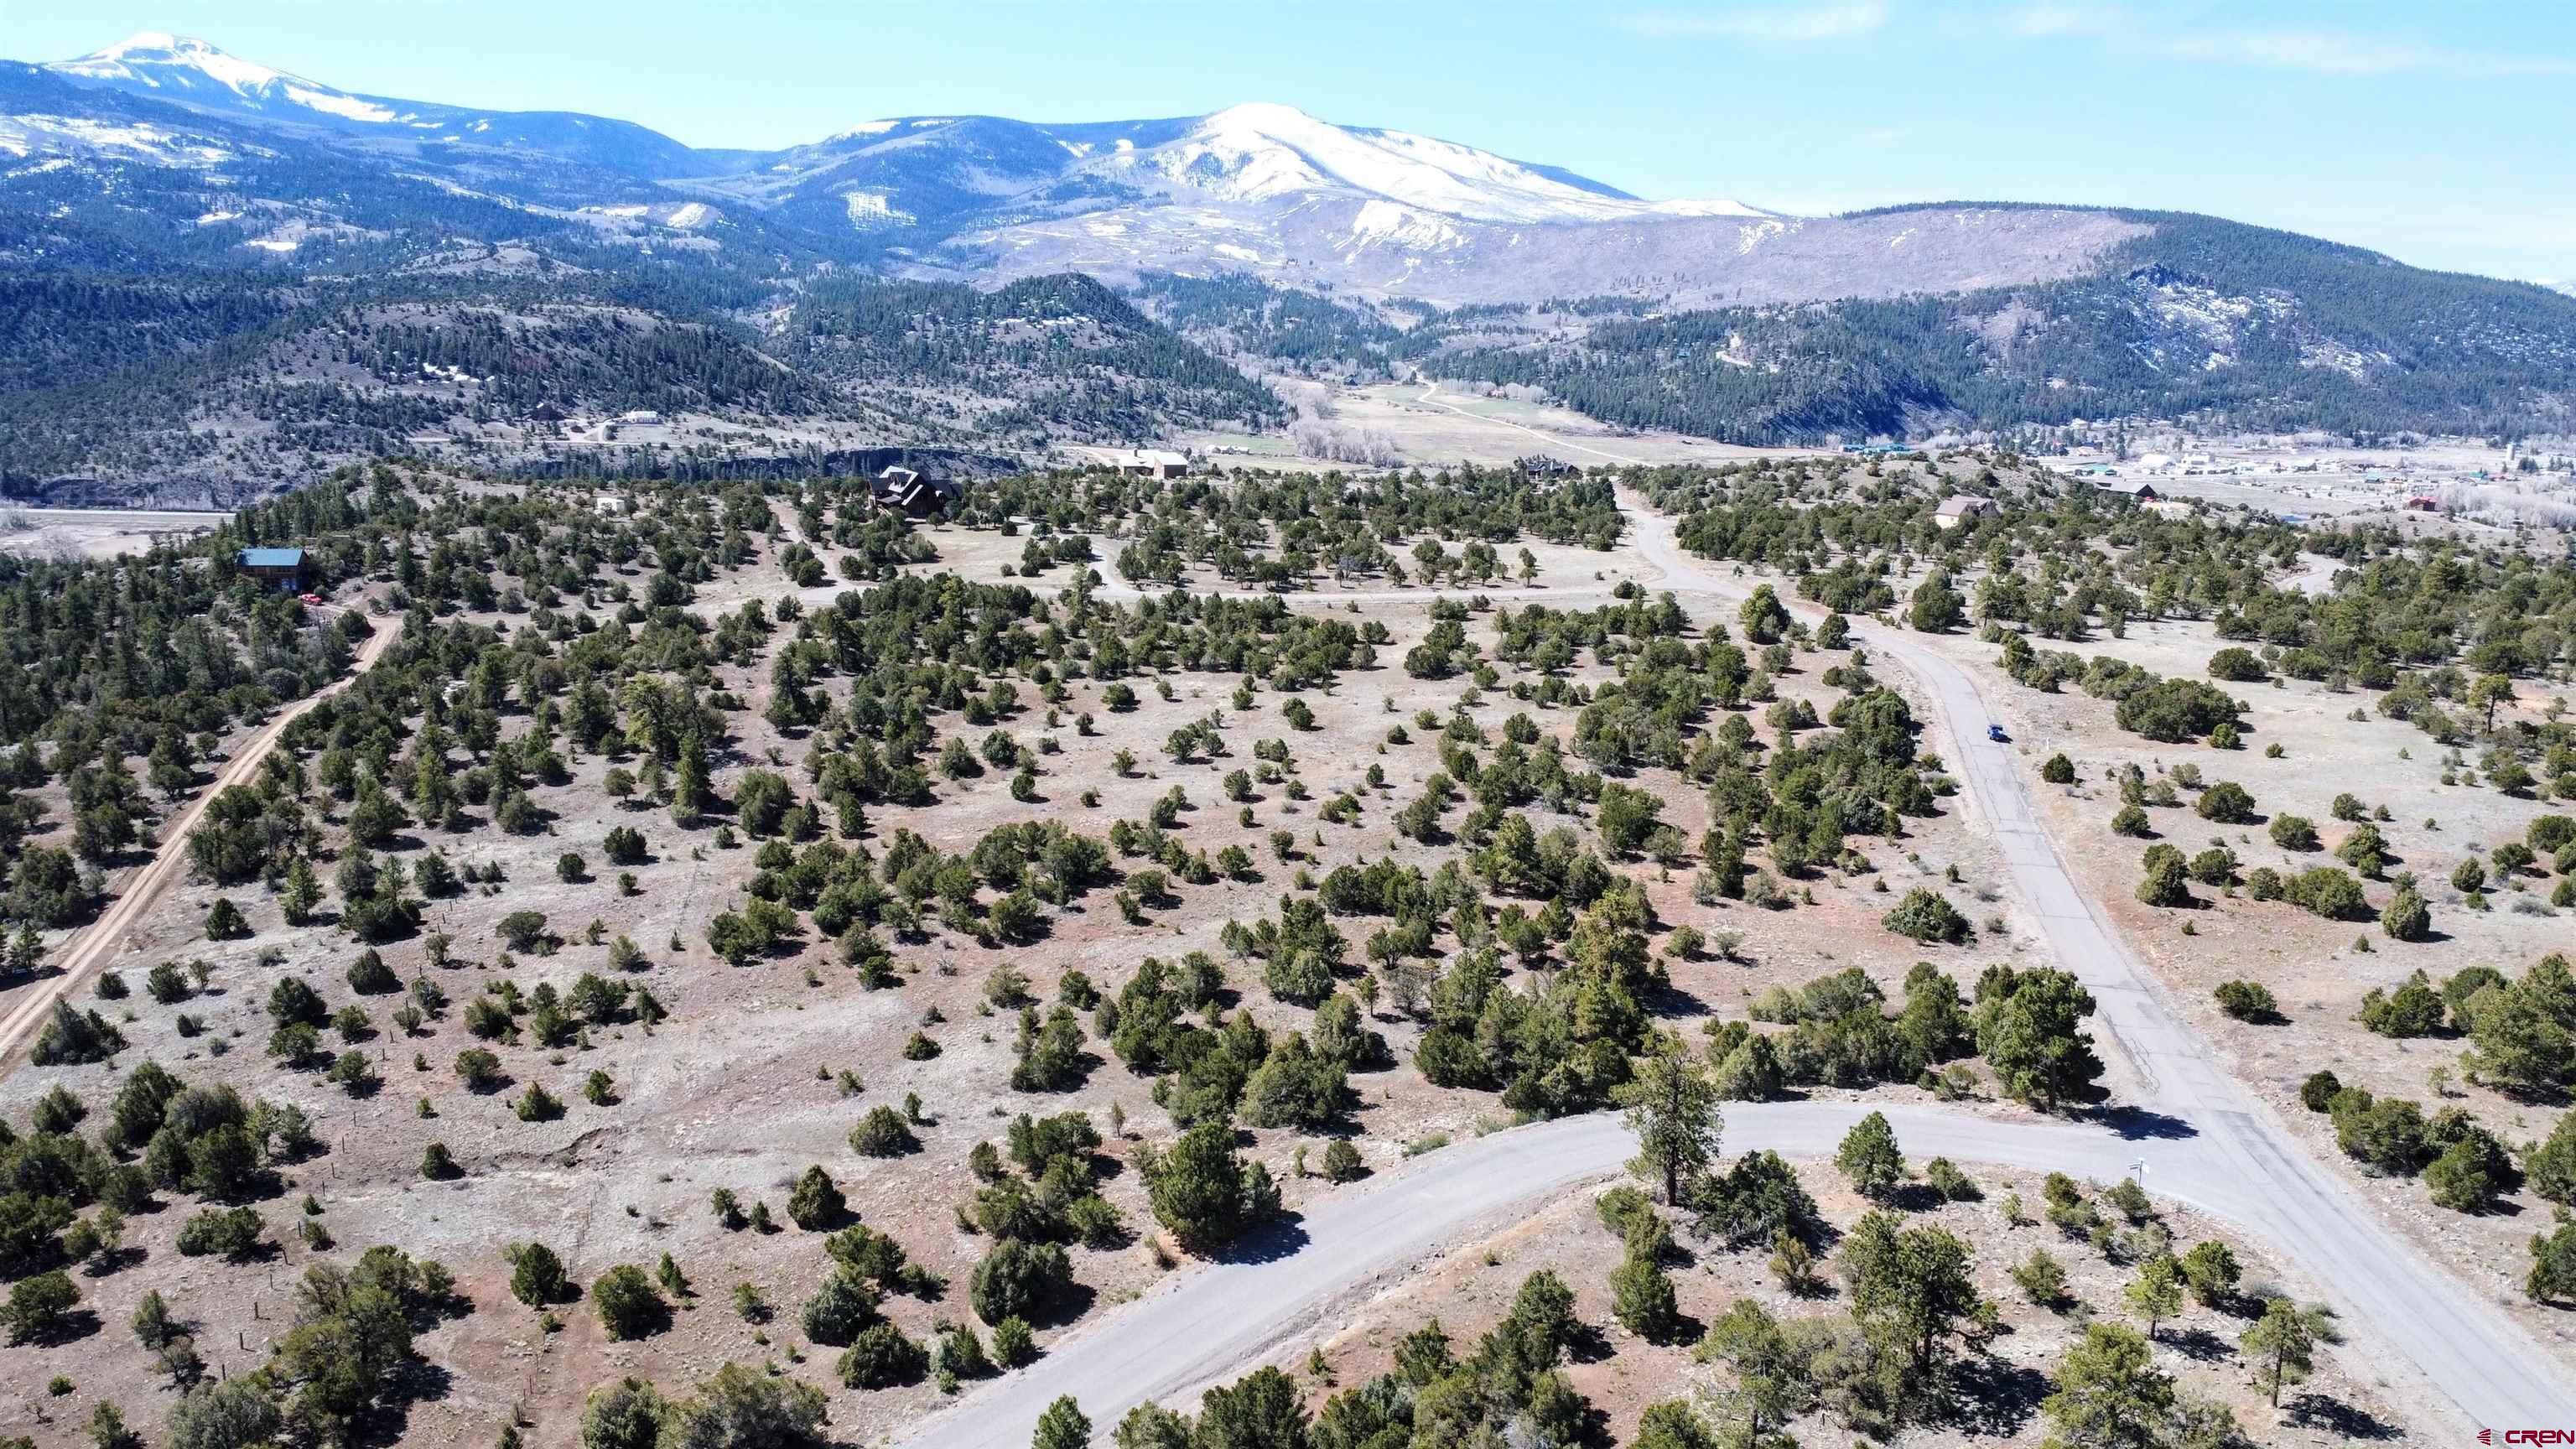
[[1241, 315], [1050, 357], [2243, 327], [230, 380]]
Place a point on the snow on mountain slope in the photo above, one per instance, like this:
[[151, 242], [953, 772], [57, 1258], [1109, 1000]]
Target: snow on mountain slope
[[1261, 185], [70, 136], [180, 71], [1266, 152], [189, 70]]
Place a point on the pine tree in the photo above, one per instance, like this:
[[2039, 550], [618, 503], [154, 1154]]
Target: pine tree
[[301, 894], [1672, 1108], [2110, 1394], [1870, 1158], [2157, 1292], [2283, 1343], [1062, 1426]]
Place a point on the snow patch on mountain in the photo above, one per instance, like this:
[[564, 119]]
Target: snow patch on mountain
[[23, 135], [2351, 362], [1749, 237], [678, 216], [1384, 222], [350, 108], [870, 209]]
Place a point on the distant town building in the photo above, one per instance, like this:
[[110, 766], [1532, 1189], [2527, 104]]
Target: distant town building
[[641, 417], [1958, 508], [2138, 492], [281, 569], [2422, 503]]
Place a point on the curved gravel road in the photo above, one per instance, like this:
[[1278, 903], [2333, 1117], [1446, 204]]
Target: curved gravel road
[[2204, 1140], [1214, 1321]]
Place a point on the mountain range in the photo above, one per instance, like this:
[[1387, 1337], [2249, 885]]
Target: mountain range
[[1262, 189], [239, 213]]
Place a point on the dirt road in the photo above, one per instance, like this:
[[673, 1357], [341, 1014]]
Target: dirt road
[[2489, 1368], [1211, 1323], [97, 946], [2200, 1137]]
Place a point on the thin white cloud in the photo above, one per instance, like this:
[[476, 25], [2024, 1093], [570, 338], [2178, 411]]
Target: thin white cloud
[[2045, 21], [2336, 52], [1783, 23], [2317, 51]]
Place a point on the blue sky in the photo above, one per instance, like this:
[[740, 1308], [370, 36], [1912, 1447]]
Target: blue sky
[[2440, 134]]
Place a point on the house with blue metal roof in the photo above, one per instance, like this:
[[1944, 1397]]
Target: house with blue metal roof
[[279, 568]]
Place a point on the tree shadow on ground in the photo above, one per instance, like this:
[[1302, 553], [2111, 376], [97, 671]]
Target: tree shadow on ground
[[2140, 1124], [2342, 1420], [2198, 1344], [1588, 1344], [1995, 1397], [1069, 1306], [1282, 1237]]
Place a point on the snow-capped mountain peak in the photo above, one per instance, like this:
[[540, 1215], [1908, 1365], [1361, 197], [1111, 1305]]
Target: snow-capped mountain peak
[[150, 57], [1265, 151], [181, 68]]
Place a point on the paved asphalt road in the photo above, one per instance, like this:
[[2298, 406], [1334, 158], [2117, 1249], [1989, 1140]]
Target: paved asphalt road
[[2204, 1140]]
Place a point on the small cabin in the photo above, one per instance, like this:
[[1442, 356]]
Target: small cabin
[[2422, 503], [281, 569], [1959, 508]]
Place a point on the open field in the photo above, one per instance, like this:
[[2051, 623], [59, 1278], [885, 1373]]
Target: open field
[[1436, 424], [93, 532]]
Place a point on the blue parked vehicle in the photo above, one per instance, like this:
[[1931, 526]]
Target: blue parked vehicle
[[1996, 733]]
